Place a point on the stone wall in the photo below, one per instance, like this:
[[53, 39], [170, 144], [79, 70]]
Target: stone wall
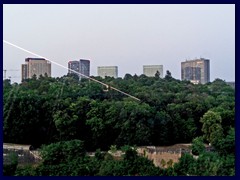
[[25, 156], [164, 156]]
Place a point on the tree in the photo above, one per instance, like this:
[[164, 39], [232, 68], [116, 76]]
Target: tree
[[186, 165], [163, 163], [211, 126], [62, 152], [10, 168], [102, 119], [112, 168], [208, 164], [134, 124], [198, 146], [168, 75], [135, 165], [7, 84], [65, 158], [226, 145], [27, 170], [70, 120], [170, 163], [157, 75], [127, 76]]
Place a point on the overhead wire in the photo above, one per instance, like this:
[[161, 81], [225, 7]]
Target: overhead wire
[[110, 87]]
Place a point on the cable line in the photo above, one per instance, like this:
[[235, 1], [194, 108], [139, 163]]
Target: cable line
[[107, 86]]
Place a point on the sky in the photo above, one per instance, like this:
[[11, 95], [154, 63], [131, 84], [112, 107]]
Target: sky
[[126, 35]]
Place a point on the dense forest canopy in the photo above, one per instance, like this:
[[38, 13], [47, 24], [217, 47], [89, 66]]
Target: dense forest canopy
[[51, 110]]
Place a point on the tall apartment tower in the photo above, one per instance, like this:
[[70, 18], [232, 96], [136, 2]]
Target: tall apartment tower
[[151, 70], [82, 66], [37, 66], [111, 71], [197, 71], [73, 65]]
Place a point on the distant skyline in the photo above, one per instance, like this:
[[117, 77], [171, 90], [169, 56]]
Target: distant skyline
[[124, 35]]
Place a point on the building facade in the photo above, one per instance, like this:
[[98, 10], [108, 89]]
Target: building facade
[[197, 71], [151, 70], [73, 66], [111, 71], [82, 67], [35, 66]]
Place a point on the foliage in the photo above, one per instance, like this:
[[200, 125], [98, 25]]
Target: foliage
[[211, 126], [10, 168], [113, 148], [63, 151], [198, 146], [46, 110], [130, 165], [58, 110], [226, 145], [27, 170]]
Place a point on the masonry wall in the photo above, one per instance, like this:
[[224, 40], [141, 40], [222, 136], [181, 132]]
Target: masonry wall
[[163, 156]]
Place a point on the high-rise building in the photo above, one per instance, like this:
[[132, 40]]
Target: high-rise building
[[196, 71], [111, 71], [37, 66], [82, 66], [73, 65], [151, 70]]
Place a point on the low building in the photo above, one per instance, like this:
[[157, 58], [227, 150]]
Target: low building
[[151, 70], [111, 71]]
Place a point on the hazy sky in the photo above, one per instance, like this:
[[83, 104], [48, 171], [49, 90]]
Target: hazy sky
[[127, 36]]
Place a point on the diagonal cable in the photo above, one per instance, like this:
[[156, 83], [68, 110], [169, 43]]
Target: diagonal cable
[[18, 47]]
